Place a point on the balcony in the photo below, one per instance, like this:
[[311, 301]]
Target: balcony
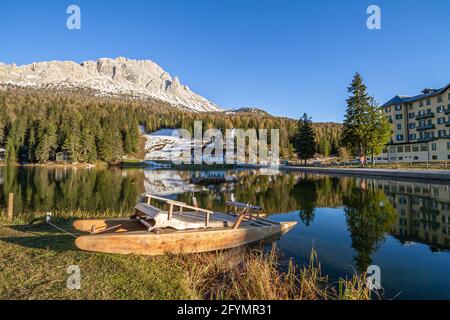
[[425, 116], [426, 127], [426, 139]]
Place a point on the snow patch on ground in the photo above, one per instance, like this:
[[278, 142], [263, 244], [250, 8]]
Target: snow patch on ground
[[164, 145]]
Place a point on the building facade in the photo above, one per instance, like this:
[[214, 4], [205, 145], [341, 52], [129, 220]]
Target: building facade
[[420, 127]]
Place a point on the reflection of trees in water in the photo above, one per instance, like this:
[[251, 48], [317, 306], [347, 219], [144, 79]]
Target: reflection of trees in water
[[306, 193], [42, 189], [370, 215], [277, 194]]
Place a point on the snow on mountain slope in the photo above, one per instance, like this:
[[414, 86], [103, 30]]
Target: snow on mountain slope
[[115, 77], [161, 145]]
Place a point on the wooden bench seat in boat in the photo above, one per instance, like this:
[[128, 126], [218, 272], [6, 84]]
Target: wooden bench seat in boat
[[155, 218]]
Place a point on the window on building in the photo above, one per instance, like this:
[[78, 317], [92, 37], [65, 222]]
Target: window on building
[[440, 109], [392, 150], [421, 103], [407, 148], [411, 115], [433, 146], [448, 98], [441, 120], [434, 157], [398, 107], [412, 136], [399, 126], [448, 145], [416, 158], [387, 109], [400, 149], [423, 147], [400, 137], [439, 98], [412, 125], [399, 116], [415, 148], [442, 133], [428, 101]]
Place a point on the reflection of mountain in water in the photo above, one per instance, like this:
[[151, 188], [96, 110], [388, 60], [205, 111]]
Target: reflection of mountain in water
[[166, 182]]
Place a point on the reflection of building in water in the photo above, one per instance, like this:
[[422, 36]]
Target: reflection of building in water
[[212, 177], [423, 212]]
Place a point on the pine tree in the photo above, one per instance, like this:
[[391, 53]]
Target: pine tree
[[380, 130], [31, 144], [127, 144], [47, 142], [88, 150], [324, 147], [10, 151], [134, 135], [305, 141], [110, 146], [357, 122], [71, 145]]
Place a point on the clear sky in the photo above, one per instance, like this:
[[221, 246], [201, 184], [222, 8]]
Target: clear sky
[[287, 57]]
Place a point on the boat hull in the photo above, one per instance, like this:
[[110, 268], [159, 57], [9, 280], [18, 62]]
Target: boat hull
[[178, 242]]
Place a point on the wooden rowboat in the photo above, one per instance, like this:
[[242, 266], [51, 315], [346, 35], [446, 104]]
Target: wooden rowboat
[[182, 231]]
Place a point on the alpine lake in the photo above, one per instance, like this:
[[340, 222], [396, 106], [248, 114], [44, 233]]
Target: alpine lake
[[353, 223]]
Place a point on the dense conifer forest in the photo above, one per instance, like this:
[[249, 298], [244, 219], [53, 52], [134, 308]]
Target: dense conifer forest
[[38, 126]]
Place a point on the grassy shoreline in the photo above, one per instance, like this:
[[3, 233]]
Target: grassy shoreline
[[37, 257]]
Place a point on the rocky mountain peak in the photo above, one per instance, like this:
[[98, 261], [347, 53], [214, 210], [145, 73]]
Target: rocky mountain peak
[[115, 77]]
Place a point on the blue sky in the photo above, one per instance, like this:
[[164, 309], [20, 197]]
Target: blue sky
[[287, 57]]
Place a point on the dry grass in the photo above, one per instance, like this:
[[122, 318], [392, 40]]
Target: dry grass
[[244, 274]]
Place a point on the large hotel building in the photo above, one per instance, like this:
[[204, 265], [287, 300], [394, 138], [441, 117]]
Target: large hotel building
[[420, 127]]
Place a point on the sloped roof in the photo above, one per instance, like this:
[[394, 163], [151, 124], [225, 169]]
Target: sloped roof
[[407, 99]]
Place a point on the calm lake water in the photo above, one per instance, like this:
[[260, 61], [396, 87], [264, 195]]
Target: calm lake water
[[403, 227]]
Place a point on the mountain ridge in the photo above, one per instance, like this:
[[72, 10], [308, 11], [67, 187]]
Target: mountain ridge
[[108, 77]]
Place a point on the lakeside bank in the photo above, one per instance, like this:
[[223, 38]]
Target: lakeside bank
[[408, 174], [243, 273]]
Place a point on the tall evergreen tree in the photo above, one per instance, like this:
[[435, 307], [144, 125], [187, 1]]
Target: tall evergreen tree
[[110, 146], [88, 150], [305, 142], [10, 151], [357, 124], [71, 145], [47, 140]]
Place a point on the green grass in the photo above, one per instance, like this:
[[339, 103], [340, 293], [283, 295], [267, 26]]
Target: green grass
[[35, 259]]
